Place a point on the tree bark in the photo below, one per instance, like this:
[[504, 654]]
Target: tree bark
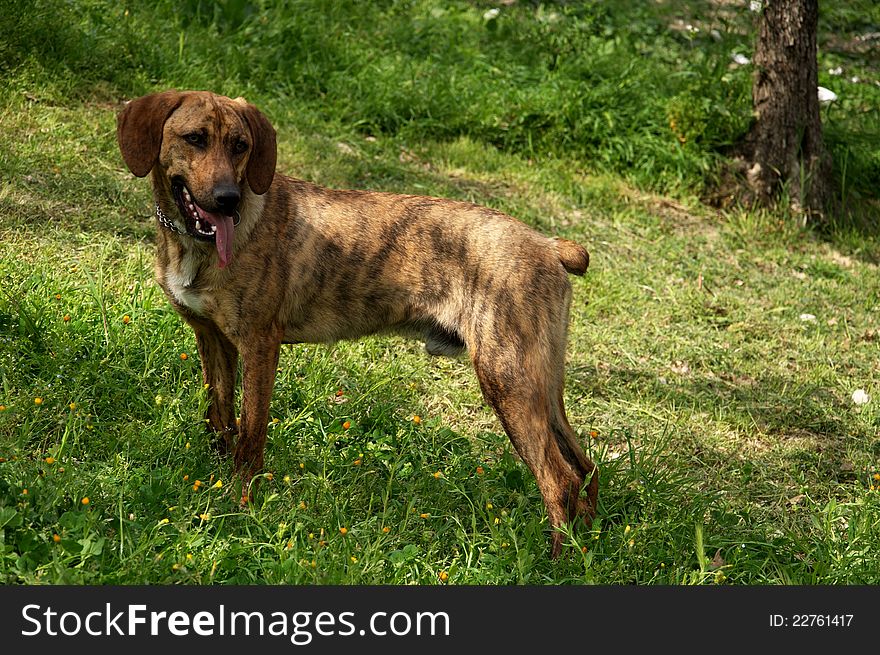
[[784, 147]]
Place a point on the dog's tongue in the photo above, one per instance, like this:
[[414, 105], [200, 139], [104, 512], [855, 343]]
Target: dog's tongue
[[224, 235]]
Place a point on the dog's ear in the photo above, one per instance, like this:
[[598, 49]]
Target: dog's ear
[[261, 163], [139, 129]]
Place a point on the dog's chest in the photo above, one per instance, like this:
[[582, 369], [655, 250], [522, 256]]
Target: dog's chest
[[180, 280]]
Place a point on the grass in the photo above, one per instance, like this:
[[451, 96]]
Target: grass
[[719, 411]]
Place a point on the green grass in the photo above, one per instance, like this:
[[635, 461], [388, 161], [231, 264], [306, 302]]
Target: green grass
[[730, 448]]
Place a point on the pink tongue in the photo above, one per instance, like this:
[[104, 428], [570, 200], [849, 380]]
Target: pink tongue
[[224, 235]]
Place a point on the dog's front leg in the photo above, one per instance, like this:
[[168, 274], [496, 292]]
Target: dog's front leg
[[219, 371], [259, 353]]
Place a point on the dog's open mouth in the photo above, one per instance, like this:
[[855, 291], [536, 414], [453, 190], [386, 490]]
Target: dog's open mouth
[[204, 225]]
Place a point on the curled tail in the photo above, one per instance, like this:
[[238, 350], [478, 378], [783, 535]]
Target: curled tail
[[575, 259]]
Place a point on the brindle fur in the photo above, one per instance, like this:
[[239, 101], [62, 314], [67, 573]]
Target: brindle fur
[[312, 264]]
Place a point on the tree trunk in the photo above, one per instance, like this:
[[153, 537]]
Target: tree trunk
[[784, 146]]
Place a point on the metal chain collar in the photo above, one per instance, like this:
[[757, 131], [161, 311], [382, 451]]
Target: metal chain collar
[[167, 223]]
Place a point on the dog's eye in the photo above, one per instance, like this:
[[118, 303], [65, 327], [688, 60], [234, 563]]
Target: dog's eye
[[239, 147], [196, 139]]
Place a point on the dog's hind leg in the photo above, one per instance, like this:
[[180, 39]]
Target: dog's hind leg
[[219, 372], [534, 418], [522, 378], [585, 503]]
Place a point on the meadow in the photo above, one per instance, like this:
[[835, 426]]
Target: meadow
[[722, 364]]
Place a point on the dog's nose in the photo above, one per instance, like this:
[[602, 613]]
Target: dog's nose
[[227, 198]]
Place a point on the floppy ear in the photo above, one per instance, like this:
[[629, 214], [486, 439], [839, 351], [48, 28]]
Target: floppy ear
[[261, 162], [139, 129]]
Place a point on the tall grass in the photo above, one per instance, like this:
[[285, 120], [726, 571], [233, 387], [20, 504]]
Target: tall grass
[[566, 80], [610, 85]]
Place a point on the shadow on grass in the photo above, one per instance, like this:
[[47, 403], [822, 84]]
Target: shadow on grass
[[771, 423], [770, 403]]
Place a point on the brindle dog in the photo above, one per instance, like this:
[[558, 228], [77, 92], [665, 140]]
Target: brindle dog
[[251, 260]]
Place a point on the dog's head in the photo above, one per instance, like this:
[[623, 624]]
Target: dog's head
[[209, 150]]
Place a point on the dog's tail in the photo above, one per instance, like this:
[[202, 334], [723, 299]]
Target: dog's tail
[[575, 259]]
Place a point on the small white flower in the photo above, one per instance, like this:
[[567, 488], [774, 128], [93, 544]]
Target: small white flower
[[755, 5], [808, 317], [855, 79], [742, 60], [826, 95], [835, 71], [859, 397], [491, 13]]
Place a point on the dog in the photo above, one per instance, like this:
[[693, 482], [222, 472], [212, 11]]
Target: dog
[[252, 259]]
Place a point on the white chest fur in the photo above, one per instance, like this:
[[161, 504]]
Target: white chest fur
[[179, 278]]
